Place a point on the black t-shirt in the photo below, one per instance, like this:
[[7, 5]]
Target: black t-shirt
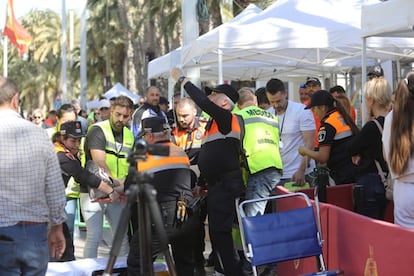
[[95, 139], [170, 184], [367, 143]]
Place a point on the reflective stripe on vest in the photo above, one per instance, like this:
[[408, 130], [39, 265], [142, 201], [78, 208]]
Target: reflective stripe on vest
[[190, 139], [213, 133], [260, 140], [342, 129], [177, 159], [116, 160]]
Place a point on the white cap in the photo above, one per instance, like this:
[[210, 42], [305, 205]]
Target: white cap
[[104, 103]]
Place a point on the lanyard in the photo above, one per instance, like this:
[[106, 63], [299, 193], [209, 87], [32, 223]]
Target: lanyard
[[281, 127], [283, 121]]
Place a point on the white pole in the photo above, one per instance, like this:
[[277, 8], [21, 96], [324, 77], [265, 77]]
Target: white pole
[[190, 32], [220, 65], [363, 79], [5, 56], [63, 54], [71, 45], [83, 75]]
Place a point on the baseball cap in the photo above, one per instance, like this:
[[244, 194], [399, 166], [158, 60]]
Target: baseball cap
[[72, 129], [154, 124], [104, 103], [312, 80], [321, 97], [376, 71], [226, 89], [302, 85]]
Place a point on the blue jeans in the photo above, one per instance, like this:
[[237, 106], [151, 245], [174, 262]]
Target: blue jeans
[[260, 185], [93, 213], [373, 195], [70, 209], [23, 250]]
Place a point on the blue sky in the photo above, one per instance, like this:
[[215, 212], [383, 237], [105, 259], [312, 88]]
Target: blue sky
[[21, 7]]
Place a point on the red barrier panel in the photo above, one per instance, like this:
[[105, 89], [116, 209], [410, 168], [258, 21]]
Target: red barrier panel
[[363, 246], [358, 245], [340, 195]]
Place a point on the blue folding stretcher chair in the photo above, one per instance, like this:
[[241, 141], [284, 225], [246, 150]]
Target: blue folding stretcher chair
[[283, 235]]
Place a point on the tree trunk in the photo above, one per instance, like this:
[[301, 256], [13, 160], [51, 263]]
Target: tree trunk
[[127, 23]]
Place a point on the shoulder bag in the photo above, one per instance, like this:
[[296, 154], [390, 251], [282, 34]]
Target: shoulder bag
[[385, 178]]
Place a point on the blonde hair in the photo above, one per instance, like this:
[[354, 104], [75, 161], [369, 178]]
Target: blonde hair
[[402, 126], [380, 91], [39, 112]]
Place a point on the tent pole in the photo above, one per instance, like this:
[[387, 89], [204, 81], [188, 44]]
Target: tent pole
[[220, 66], [398, 63], [363, 78]]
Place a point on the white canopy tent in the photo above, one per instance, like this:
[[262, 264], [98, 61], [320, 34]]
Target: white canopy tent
[[120, 90], [323, 36], [160, 67], [388, 19]]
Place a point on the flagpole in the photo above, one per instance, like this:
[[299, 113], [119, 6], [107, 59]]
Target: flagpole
[[5, 56], [5, 53], [83, 55], [63, 54]]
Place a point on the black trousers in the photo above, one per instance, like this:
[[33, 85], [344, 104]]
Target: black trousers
[[222, 193], [181, 241]]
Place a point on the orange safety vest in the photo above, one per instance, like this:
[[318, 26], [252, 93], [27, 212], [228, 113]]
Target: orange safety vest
[[190, 139], [213, 133], [177, 159], [342, 129]]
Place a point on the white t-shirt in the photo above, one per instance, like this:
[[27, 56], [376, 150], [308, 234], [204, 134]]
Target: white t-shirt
[[404, 184], [271, 110], [408, 175], [291, 124]]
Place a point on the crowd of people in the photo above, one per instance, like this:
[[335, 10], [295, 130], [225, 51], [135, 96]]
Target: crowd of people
[[223, 145]]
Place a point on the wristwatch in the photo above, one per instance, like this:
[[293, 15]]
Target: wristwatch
[[181, 79]]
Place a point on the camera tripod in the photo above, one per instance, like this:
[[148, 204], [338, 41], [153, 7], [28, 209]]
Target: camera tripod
[[148, 212]]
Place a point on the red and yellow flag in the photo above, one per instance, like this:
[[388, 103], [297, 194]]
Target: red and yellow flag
[[17, 34]]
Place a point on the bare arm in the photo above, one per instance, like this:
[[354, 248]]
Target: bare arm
[[99, 156], [299, 175], [309, 144], [321, 156]]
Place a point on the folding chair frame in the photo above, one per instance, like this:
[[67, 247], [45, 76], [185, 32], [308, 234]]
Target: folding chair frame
[[272, 218]]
